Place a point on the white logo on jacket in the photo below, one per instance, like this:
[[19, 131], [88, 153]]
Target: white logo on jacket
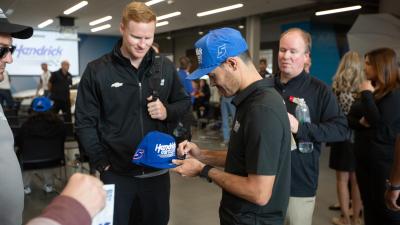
[[117, 84]]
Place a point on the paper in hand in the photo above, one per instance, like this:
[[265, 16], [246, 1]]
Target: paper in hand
[[105, 216]]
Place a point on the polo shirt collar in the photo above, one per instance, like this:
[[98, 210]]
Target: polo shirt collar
[[299, 78], [258, 85]]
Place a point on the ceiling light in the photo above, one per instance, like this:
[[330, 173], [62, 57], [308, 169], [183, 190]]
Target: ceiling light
[[75, 7], [45, 23], [99, 28], [206, 13], [201, 32], [153, 2], [166, 16], [345, 9], [241, 26], [168, 37], [163, 23], [101, 20]]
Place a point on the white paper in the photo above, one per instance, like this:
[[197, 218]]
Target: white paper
[[105, 216]]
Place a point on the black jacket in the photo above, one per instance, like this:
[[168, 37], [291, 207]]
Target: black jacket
[[60, 84], [111, 107], [328, 124]]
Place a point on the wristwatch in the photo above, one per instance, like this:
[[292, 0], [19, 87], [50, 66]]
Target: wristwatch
[[204, 172], [391, 187]]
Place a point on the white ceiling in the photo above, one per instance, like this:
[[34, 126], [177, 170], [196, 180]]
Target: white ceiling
[[33, 12]]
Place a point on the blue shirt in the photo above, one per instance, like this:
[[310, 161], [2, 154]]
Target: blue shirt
[[187, 84]]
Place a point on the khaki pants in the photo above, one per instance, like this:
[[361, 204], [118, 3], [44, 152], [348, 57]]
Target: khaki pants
[[300, 211]]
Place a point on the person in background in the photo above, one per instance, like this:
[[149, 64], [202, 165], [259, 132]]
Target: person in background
[[44, 81], [11, 186], [201, 102], [43, 124], [393, 192], [59, 86], [262, 68], [328, 123], [82, 198], [115, 109], [183, 72], [380, 112], [256, 179], [6, 98], [348, 77], [227, 111]]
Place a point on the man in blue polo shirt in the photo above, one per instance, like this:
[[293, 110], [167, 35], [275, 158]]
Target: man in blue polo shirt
[[256, 179]]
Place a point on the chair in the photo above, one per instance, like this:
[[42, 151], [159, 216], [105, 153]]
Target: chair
[[42, 153]]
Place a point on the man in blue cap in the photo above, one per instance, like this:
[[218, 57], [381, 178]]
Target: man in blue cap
[[256, 179]]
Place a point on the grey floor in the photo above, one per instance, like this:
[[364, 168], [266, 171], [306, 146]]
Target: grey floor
[[195, 201]]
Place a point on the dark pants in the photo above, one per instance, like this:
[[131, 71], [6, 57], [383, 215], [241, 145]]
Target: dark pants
[[372, 173], [65, 107], [140, 201]]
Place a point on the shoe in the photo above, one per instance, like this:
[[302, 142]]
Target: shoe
[[48, 188], [339, 221], [358, 222], [335, 207], [27, 190]]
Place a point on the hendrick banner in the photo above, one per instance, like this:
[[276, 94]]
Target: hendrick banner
[[44, 46]]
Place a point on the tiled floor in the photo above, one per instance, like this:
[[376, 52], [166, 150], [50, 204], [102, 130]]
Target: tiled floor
[[195, 201]]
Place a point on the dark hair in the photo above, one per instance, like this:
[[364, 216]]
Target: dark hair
[[245, 57], [263, 60], [384, 61], [184, 62]]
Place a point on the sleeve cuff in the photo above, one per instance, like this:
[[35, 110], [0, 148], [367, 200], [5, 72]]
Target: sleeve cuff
[[67, 211]]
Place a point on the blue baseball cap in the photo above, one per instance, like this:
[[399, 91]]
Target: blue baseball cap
[[156, 150], [215, 48], [41, 104]]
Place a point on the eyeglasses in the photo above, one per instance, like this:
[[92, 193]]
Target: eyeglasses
[[5, 50]]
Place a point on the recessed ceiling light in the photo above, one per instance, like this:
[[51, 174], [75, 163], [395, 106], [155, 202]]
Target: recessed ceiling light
[[241, 26], [223, 9], [163, 23], [99, 28], [45, 23], [339, 10], [153, 2], [201, 32], [101, 20], [75, 7], [169, 15]]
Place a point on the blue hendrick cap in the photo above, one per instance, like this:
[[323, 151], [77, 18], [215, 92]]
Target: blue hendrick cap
[[156, 150], [215, 47], [41, 104]]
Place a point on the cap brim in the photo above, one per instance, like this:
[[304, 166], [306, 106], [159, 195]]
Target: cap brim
[[197, 74], [16, 30]]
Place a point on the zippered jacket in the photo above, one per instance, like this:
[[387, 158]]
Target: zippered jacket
[[111, 107]]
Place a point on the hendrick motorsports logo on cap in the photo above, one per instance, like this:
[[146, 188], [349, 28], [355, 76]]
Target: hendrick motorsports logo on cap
[[156, 150]]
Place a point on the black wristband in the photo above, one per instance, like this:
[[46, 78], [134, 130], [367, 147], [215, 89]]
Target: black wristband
[[391, 187], [204, 172]]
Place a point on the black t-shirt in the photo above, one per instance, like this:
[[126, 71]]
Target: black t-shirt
[[60, 85], [260, 144]]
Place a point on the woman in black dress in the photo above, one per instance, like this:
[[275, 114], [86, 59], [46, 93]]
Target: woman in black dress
[[376, 118], [348, 77]]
